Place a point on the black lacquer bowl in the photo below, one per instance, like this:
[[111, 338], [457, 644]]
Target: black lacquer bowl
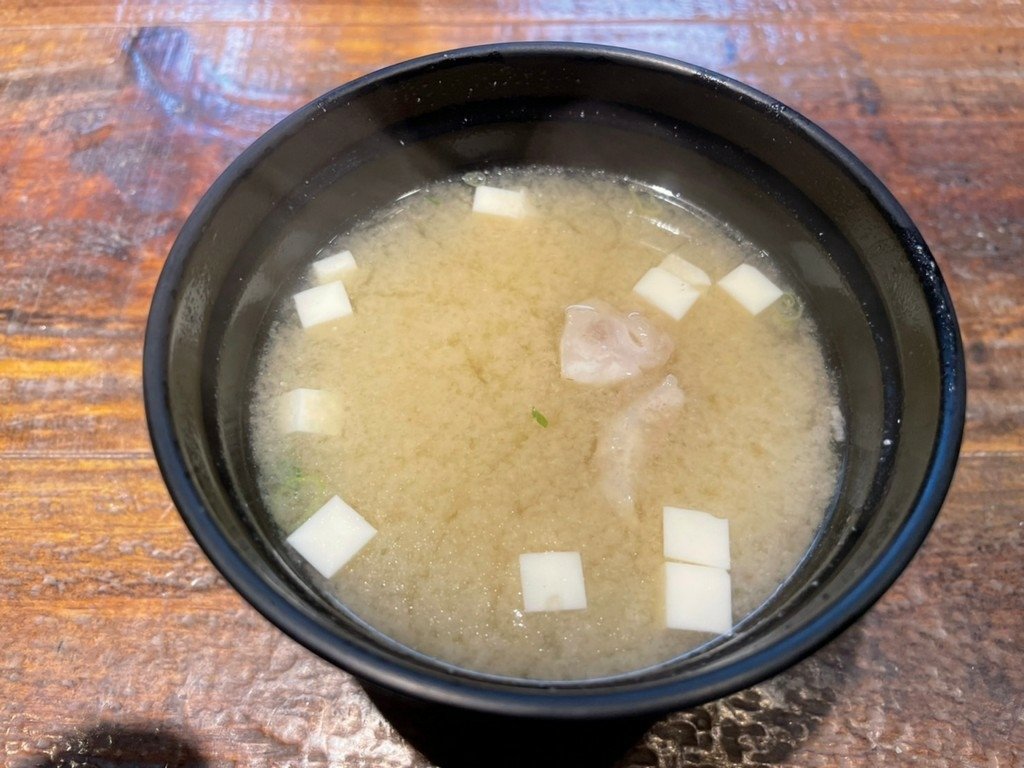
[[868, 277]]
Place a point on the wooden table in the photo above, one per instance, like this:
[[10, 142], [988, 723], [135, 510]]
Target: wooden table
[[120, 644]]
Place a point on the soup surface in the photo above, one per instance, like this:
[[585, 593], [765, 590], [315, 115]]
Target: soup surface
[[457, 437]]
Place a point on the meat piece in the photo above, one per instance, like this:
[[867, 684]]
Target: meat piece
[[621, 446], [602, 346]]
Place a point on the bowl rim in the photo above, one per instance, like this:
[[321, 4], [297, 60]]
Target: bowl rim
[[576, 699]]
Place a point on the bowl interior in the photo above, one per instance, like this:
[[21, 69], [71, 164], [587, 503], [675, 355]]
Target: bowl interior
[[782, 183]]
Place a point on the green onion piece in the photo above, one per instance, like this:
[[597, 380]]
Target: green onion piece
[[790, 306], [539, 417]]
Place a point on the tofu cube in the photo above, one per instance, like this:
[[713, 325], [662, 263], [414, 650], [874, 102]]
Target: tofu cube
[[499, 202], [686, 271], [751, 288], [698, 598], [667, 292], [696, 537], [334, 267], [322, 304], [313, 411], [331, 537], [552, 581]]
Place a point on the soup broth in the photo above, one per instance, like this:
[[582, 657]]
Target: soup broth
[[451, 427]]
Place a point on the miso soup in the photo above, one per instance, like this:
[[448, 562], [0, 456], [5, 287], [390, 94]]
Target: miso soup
[[513, 383]]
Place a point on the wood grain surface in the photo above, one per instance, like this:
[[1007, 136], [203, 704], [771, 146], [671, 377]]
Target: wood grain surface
[[119, 643]]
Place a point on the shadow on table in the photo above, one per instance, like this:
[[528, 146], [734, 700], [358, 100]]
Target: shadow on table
[[123, 746], [453, 738], [760, 726]]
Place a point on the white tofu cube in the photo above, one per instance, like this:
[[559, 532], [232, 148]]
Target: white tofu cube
[[313, 411], [686, 271], [751, 288], [698, 598], [334, 267], [696, 537], [667, 292], [322, 304], [499, 202], [552, 581], [332, 536]]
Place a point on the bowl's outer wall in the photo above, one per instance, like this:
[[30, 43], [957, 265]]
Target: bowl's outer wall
[[868, 277]]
